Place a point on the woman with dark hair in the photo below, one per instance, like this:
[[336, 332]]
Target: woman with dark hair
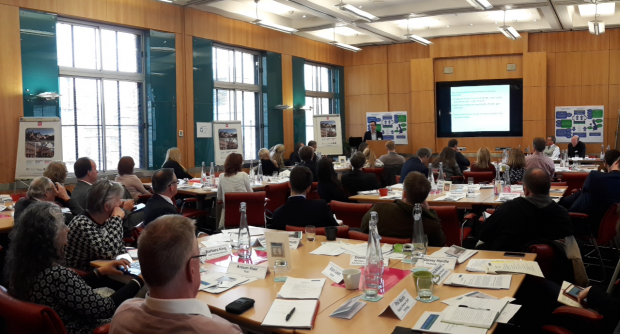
[[127, 178], [330, 187], [97, 234], [233, 180], [450, 167], [36, 273], [41, 189]]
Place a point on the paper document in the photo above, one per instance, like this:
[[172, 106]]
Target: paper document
[[355, 249], [562, 298], [466, 255], [432, 261], [220, 282], [479, 281], [450, 197], [331, 249], [505, 197], [480, 265], [469, 317], [368, 192], [496, 305], [474, 294], [301, 317], [254, 231], [509, 311], [514, 267], [430, 322], [349, 309], [440, 271], [300, 288]]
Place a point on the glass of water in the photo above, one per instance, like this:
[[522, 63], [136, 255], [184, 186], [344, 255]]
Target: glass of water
[[280, 268], [408, 252], [471, 189], [420, 244], [310, 232], [234, 240], [425, 285]]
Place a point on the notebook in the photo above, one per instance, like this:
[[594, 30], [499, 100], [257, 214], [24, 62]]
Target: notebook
[[302, 317]]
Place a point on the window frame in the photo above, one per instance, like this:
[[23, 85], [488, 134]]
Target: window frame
[[102, 75], [316, 94]]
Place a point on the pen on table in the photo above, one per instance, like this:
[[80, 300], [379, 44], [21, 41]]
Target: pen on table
[[481, 309], [315, 280], [290, 314]]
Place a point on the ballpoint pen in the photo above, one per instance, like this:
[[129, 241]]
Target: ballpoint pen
[[290, 314]]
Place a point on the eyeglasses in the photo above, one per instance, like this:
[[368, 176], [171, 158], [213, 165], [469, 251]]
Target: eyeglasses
[[174, 183], [202, 257]]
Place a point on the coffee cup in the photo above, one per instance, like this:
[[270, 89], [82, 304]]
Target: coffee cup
[[383, 191], [352, 278], [331, 232]]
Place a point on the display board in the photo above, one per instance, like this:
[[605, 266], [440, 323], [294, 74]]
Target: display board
[[228, 138], [40, 142], [393, 125], [328, 134], [587, 122]]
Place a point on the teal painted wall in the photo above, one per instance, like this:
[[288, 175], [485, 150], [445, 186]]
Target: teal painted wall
[[339, 98], [161, 88], [299, 100], [203, 97], [39, 62], [273, 122]]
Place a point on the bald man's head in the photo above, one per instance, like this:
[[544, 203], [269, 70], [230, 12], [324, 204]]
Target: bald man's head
[[574, 140], [536, 181]]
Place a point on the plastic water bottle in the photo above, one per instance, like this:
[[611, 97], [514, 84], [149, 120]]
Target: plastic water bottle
[[440, 179], [245, 246], [203, 175], [419, 244], [498, 180], [259, 172], [212, 175], [431, 179], [373, 271], [251, 171], [608, 148], [602, 151], [507, 179]]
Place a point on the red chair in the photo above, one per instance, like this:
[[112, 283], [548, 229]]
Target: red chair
[[355, 235], [397, 178], [24, 317], [574, 181], [343, 231], [606, 231], [479, 177], [582, 320], [377, 171], [277, 194], [188, 212], [351, 214], [314, 191], [255, 208], [452, 227]]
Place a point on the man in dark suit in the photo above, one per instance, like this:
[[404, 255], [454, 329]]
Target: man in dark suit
[[373, 134], [86, 173], [298, 211], [306, 154], [356, 180], [295, 155], [165, 187], [576, 148], [461, 160], [416, 164]]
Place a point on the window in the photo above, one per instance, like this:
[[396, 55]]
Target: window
[[102, 92], [319, 94], [236, 96]]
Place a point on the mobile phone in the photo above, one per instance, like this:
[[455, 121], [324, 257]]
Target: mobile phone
[[514, 254], [573, 291], [240, 305]]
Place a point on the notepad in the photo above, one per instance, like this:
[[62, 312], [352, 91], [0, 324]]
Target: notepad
[[301, 288], [469, 317], [495, 282], [466, 255], [302, 317], [430, 322]]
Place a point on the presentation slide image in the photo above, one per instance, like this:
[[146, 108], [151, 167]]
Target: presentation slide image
[[480, 108]]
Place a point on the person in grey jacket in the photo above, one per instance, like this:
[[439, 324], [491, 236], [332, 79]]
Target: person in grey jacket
[[450, 166]]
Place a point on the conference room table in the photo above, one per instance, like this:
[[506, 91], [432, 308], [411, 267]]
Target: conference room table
[[6, 218]]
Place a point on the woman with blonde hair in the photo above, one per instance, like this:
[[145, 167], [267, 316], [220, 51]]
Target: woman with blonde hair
[[277, 155], [516, 162], [371, 159], [483, 162], [173, 160], [268, 165]]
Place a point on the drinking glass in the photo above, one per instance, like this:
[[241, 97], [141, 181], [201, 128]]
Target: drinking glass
[[310, 232], [471, 190], [280, 268], [234, 240], [419, 246], [408, 252], [424, 286]]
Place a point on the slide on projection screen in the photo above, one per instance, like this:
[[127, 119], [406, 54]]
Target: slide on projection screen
[[481, 109]]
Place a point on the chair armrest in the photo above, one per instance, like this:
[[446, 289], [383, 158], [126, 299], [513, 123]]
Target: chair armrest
[[190, 200], [470, 216], [578, 215], [581, 313], [555, 330], [102, 329]]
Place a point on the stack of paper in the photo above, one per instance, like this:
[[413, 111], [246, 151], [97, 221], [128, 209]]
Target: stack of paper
[[462, 258], [330, 248], [369, 192], [349, 309], [479, 281], [291, 313], [300, 288], [450, 197], [480, 265], [254, 231], [220, 282], [514, 267], [431, 322], [562, 298], [474, 312], [474, 294], [504, 197]]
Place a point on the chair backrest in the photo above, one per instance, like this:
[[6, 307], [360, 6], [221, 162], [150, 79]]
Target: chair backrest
[[343, 231], [607, 229], [545, 257], [378, 173], [574, 181], [255, 208], [397, 178], [277, 194], [355, 235], [479, 177], [450, 224], [24, 317], [314, 191], [351, 214], [389, 174]]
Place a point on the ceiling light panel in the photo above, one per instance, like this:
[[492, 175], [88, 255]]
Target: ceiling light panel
[[604, 9], [275, 7], [480, 4], [356, 12]]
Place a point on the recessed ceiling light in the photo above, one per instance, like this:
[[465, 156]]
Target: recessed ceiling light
[[471, 24], [360, 7], [604, 9], [535, 20], [495, 22], [304, 16], [447, 26]]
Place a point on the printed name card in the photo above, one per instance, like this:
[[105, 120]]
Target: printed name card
[[246, 269], [516, 188], [294, 243], [401, 305], [430, 262], [440, 271], [217, 251], [358, 260], [333, 272]]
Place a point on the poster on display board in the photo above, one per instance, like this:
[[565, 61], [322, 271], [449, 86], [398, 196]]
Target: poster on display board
[[39, 143], [393, 125], [228, 138], [328, 134], [587, 122]]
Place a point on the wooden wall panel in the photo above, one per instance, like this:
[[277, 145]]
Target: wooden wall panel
[[399, 78], [478, 68], [551, 69], [534, 103], [551, 104], [614, 67], [10, 2], [398, 53], [567, 96], [591, 42], [531, 130], [357, 106], [535, 69], [189, 98], [287, 98], [542, 42], [11, 105], [477, 45], [421, 75], [614, 38], [91, 9], [614, 104], [42, 5], [569, 42], [568, 69], [422, 135], [126, 12], [400, 102], [595, 95], [422, 107], [595, 68], [368, 56], [366, 79]]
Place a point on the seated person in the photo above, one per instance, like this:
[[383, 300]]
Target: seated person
[[552, 150], [174, 161], [294, 158], [298, 211], [450, 167], [607, 305], [306, 154], [371, 159], [538, 159], [233, 180], [42, 189], [419, 163], [277, 156], [483, 162], [97, 233], [267, 166], [391, 158], [129, 180], [525, 219], [396, 219], [516, 162], [34, 266], [56, 171], [313, 145], [329, 187], [356, 180], [576, 148], [165, 185], [461, 160], [85, 171], [170, 262]]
